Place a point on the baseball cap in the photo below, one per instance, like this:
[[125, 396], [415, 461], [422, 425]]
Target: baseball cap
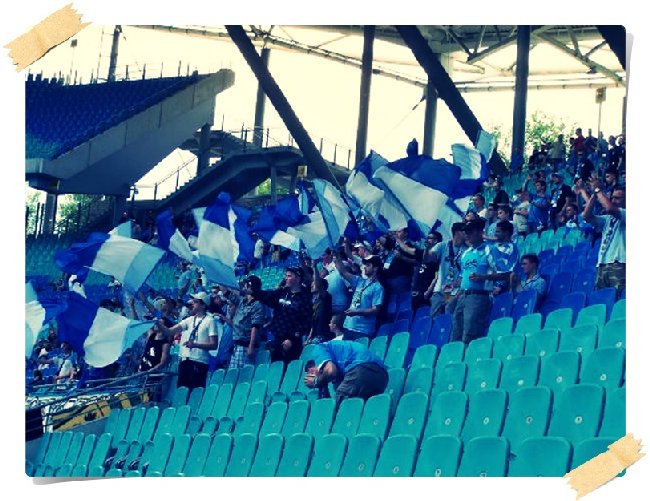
[[374, 260], [201, 296]]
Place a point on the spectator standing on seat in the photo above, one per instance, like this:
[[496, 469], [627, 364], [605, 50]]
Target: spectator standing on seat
[[478, 268], [367, 299], [506, 255], [532, 280], [520, 212], [322, 311], [557, 153], [291, 304], [199, 335], [246, 324], [559, 193], [353, 369], [611, 256], [424, 273], [156, 350], [539, 206]]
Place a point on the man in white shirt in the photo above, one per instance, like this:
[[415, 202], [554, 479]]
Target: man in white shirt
[[199, 335]]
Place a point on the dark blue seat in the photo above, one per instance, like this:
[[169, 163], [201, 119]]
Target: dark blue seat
[[401, 325], [422, 311], [420, 332], [523, 304], [549, 270], [545, 255], [584, 281], [571, 263], [501, 306], [440, 330], [574, 300], [564, 251], [606, 296], [385, 329], [559, 287]]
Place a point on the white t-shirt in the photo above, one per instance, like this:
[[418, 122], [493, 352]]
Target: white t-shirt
[[206, 327]]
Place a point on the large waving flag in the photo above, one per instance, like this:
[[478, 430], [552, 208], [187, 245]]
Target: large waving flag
[[274, 221], [124, 230], [97, 334], [338, 218], [37, 314], [224, 239], [313, 234], [169, 238], [381, 206], [128, 260]]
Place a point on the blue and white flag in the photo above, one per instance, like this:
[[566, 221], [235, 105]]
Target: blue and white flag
[[169, 238], [306, 202], [381, 206], [274, 220], [224, 239], [338, 218], [97, 334], [313, 234], [38, 313], [124, 230], [128, 260]]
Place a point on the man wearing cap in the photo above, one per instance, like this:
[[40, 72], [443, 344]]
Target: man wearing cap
[[367, 300], [199, 335], [478, 268], [292, 312], [353, 369], [246, 324]]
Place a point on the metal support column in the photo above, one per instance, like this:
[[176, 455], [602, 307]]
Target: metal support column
[[312, 157], [430, 113], [258, 134], [112, 65], [293, 181], [364, 93], [521, 94], [446, 88], [204, 150], [49, 213]]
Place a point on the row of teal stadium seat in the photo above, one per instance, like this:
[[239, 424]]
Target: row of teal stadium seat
[[501, 425], [60, 117]]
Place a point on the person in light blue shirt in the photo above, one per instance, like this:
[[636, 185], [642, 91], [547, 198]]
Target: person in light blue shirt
[[506, 254], [353, 369], [367, 299]]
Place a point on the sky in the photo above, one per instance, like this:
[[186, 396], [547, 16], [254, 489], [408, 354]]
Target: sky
[[18, 19]]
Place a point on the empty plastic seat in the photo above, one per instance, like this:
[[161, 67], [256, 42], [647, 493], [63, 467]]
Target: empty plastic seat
[[397, 457], [222, 402], [541, 457], [395, 385], [208, 400], [401, 324], [267, 456], [560, 319], [241, 457], [484, 457], [397, 349], [424, 356], [158, 457], [613, 424], [500, 327], [559, 370], [577, 412], [292, 379], [295, 457], [419, 380], [440, 330], [410, 415], [618, 310], [482, 375], [376, 416], [274, 377], [529, 411], [486, 414], [348, 417], [606, 296], [581, 339], [501, 306], [194, 400], [450, 378], [528, 324], [589, 448], [274, 419], [329, 451], [559, 287], [542, 343], [519, 372], [361, 456], [251, 420], [523, 304], [218, 456], [177, 456], [217, 377], [296, 418], [378, 346], [575, 301], [261, 373], [447, 416], [321, 417], [584, 281], [613, 334], [595, 314], [384, 330], [508, 347], [478, 349], [439, 457], [197, 456], [605, 367], [450, 352], [420, 332]]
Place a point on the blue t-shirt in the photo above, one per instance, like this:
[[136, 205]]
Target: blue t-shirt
[[345, 355], [367, 294], [479, 260], [337, 287], [538, 215]]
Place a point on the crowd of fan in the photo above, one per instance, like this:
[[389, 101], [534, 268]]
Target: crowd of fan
[[345, 293]]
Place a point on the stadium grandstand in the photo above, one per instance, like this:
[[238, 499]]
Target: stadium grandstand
[[216, 331]]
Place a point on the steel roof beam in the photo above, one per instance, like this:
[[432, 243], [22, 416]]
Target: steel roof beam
[[503, 43], [616, 39]]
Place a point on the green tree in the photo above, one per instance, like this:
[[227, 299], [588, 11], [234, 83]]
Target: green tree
[[31, 203], [73, 209]]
